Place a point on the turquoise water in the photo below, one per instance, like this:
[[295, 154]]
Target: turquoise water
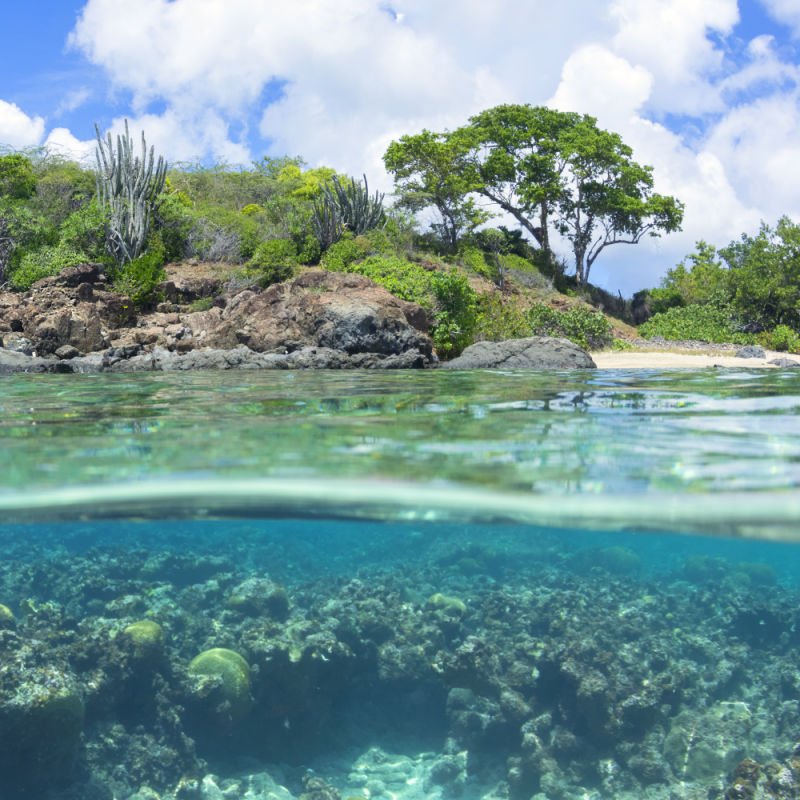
[[427, 585]]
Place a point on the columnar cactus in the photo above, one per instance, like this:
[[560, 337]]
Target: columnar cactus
[[127, 189], [346, 207]]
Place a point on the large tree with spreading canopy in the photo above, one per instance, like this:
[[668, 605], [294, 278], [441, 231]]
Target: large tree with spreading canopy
[[552, 171]]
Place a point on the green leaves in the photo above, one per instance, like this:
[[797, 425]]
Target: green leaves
[[548, 169]]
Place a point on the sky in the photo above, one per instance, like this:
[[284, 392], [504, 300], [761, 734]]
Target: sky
[[707, 92]]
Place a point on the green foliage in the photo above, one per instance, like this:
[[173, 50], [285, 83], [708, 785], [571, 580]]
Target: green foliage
[[308, 249], [431, 170], [85, 231], [548, 169], [699, 278], [582, 325], [139, 279], [474, 259], [500, 318], [173, 221], [17, 178], [456, 312], [782, 338], [274, 260], [340, 255], [62, 188], [764, 276], [46, 261], [705, 323]]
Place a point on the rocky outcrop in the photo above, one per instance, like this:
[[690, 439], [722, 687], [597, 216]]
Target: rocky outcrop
[[320, 320], [535, 352]]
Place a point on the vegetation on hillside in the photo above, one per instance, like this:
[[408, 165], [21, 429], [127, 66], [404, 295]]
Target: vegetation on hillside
[[746, 292], [553, 173]]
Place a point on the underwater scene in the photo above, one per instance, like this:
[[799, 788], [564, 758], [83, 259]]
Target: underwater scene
[[396, 586]]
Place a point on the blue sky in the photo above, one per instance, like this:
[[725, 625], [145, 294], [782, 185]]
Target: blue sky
[[706, 91]]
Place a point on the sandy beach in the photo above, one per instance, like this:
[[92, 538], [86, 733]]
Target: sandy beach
[[687, 360]]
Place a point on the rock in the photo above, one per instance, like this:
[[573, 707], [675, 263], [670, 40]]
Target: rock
[[12, 361], [750, 351], [18, 343], [785, 363], [67, 351], [535, 352], [333, 310]]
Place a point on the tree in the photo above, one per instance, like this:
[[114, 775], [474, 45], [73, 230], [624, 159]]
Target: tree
[[606, 197], [429, 170], [764, 276], [550, 170]]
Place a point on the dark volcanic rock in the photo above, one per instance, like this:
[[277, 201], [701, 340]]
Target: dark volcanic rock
[[535, 352], [319, 320], [12, 361], [785, 363], [317, 309], [750, 351]]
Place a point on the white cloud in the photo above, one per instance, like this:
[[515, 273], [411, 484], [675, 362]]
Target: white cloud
[[596, 81], [73, 100], [785, 11], [17, 129], [670, 38], [62, 142]]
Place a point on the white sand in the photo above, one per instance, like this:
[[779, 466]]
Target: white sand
[[660, 360]]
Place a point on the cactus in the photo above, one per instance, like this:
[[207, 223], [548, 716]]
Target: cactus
[[127, 189], [346, 207]]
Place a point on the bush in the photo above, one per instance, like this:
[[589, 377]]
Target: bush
[[342, 254], [584, 326], [456, 306], [85, 231], [17, 178], [474, 260], [704, 323], [275, 261], [782, 338], [43, 263], [139, 279], [499, 319]]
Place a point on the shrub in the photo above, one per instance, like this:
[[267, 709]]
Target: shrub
[[499, 319], [17, 178], [474, 260], [84, 231], [704, 323], [782, 338], [275, 261], [582, 325], [139, 279], [42, 263], [456, 305], [342, 254]]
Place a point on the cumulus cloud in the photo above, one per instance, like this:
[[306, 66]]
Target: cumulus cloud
[[786, 12], [17, 129]]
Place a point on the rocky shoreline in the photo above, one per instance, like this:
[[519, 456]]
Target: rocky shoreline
[[75, 323]]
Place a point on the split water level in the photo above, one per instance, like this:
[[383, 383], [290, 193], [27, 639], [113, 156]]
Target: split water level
[[395, 586]]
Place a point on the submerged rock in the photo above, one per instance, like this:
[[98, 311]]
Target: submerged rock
[[534, 352]]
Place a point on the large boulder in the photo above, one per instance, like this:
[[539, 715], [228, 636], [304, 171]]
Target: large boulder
[[338, 311], [535, 352]]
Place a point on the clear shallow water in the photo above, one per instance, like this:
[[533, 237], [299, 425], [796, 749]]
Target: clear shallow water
[[439, 585]]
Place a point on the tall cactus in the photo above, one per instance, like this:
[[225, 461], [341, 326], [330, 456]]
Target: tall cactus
[[346, 207], [128, 186]]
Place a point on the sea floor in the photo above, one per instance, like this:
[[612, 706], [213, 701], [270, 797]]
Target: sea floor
[[394, 661]]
